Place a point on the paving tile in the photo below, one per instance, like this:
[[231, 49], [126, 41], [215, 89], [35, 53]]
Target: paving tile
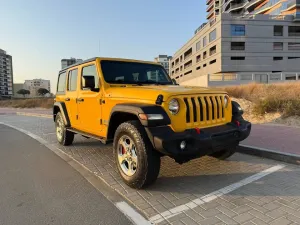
[[242, 209], [195, 216], [272, 205], [261, 216], [258, 222], [228, 212], [243, 218], [188, 221], [276, 213], [210, 221], [293, 218], [225, 219], [210, 212], [281, 221]]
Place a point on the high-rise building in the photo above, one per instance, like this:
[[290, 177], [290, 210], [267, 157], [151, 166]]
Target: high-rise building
[[68, 62], [241, 46], [164, 61], [34, 85], [245, 7], [6, 75]]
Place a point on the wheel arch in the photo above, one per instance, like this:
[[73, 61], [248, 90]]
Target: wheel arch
[[126, 112], [61, 107]]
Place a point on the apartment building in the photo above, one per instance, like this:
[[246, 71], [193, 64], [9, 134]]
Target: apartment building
[[67, 62], [245, 7], [240, 49], [164, 61], [6, 75], [34, 85]]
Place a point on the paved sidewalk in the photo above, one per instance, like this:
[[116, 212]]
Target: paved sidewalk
[[275, 137], [6, 111]]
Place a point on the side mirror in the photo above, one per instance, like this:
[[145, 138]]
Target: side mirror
[[174, 82], [88, 82]]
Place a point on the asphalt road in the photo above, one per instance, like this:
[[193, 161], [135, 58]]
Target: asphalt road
[[38, 187]]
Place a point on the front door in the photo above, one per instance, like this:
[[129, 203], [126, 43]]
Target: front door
[[88, 102]]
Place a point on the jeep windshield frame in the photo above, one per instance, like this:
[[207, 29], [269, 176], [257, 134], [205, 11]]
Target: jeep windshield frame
[[122, 72]]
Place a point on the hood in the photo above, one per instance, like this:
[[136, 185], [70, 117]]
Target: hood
[[150, 92]]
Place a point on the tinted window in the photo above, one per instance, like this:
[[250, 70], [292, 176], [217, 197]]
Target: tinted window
[[61, 84], [131, 73], [198, 45], [212, 35], [73, 80], [91, 71], [204, 41], [238, 30], [278, 30]]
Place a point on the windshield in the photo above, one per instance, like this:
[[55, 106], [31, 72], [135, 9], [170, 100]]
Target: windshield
[[117, 72]]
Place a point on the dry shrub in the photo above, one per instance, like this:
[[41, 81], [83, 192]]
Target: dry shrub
[[28, 103], [283, 98]]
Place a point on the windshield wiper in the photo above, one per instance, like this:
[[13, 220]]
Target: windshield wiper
[[151, 82]]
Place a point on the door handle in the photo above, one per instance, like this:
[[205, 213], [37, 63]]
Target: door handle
[[67, 99], [79, 99]]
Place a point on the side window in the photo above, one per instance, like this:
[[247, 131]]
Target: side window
[[88, 74], [72, 83], [61, 84]]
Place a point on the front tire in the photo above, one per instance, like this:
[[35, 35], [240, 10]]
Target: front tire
[[224, 154], [137, 162], [64, 137]]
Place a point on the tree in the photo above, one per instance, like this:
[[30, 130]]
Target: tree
[[23, 92], [42, 91]]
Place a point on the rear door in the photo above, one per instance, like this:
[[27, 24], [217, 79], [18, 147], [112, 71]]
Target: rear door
[[71, 96], [89, 107]]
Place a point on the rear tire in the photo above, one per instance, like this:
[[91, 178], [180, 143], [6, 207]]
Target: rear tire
[[64, 137], [224, 154], [137, 162]]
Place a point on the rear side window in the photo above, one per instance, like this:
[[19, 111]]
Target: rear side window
[[72, 83], [61, 84]]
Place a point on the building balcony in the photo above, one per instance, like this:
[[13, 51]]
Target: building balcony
[[292, 4], [262, 9], [253, 3], [209, 1], [237, 6], [211, 5], [210, 14]]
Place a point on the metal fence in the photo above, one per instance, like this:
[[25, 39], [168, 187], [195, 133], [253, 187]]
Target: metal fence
[[266, 78]]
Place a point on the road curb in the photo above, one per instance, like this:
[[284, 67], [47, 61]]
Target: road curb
[[34, 114], [270, 154]]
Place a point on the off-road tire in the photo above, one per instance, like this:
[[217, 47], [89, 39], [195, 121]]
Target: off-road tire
[[224, 154], [148, 159], [67, 137]]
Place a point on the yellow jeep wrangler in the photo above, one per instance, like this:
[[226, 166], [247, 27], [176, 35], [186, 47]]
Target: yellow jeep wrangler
[[145, 114]]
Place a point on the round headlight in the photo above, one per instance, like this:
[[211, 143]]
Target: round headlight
[[174, 106], [226, 100]]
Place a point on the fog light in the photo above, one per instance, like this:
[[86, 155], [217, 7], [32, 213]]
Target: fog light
[[182, 145]]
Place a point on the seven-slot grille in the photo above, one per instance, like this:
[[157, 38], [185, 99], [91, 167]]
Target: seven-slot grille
[[204, 108]]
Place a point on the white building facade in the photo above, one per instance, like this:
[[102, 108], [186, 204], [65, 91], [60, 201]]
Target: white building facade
[[68, 62], [34, 85], [164, 61], [233, 50]]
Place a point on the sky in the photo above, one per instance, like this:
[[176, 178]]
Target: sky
[[38, 34]]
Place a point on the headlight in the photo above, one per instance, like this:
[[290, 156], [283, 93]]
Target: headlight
[[226, 100], [174, 106]]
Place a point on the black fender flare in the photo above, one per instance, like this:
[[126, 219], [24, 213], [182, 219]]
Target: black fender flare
[[136, 109], [62, 108]]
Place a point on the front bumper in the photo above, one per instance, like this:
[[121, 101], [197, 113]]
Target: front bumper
[[208, 141]]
